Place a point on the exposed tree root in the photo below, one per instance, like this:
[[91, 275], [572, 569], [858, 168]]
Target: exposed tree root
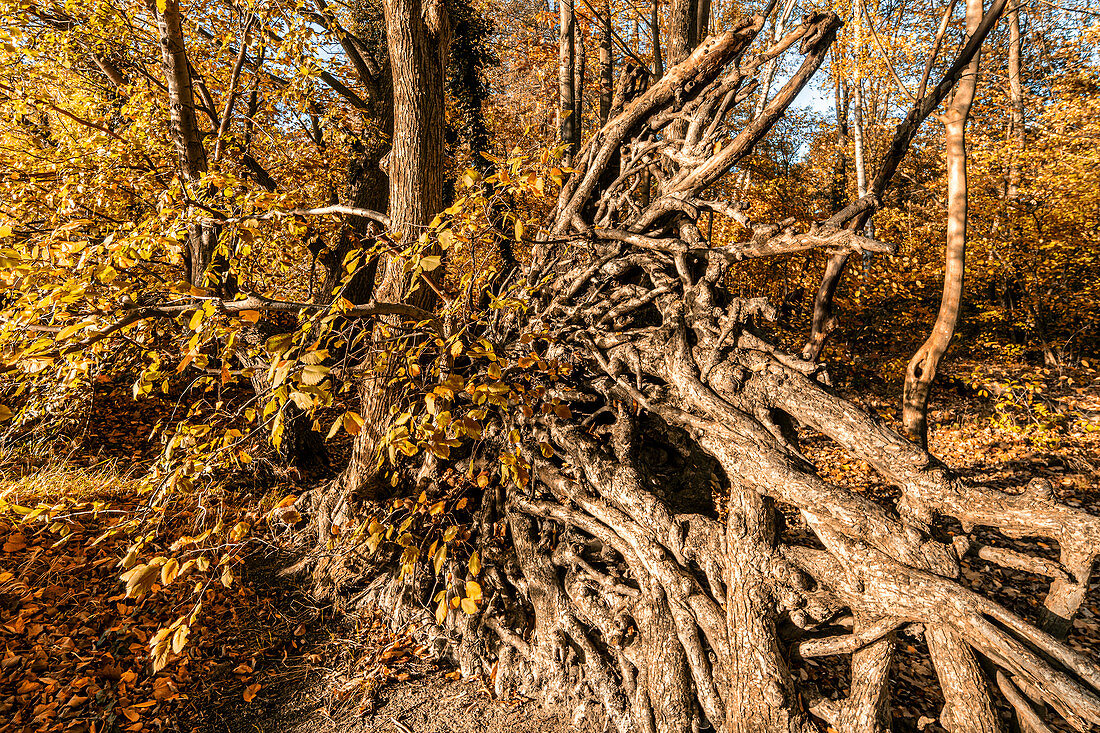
[[642, 569]]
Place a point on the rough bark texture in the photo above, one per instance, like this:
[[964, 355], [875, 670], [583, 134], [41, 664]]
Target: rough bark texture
[[418, 34], [186, 136], [632, 561], [607, 63]]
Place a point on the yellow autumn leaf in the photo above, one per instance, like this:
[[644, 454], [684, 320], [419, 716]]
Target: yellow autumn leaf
[[168, 571], [196, 320], [353, 423], [179, 639], [314, 374], [250, 692]]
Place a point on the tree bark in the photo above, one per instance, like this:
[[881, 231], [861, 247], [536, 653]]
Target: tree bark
[[568, 129], [607, 64], [186, 137], [683, 34], [418, 35], [655, 39], [579, 66], [1017, 135], [921, 370], [840, 172], [857, 101]]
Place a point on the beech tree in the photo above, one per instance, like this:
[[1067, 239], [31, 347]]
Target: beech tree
[[646, 538]]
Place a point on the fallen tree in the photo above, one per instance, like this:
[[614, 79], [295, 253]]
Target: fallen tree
[[633, 553]]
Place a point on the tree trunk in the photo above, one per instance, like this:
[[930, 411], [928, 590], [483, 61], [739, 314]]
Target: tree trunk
[[858, 128], [1018, 143], [186, 137], [655, 36], [568, 129], [840, 172], [418, 34], [1017, 135], [857, 102], [682, 32], [579, 64], [607, 64], [922, 367]]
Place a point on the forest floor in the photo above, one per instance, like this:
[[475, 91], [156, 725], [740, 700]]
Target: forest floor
[[265, 657]]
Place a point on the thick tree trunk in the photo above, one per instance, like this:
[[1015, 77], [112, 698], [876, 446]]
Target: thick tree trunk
[[682, 33], [418, 34], [921, 370]]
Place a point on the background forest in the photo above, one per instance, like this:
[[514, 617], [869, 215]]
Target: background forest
[[210, 271]]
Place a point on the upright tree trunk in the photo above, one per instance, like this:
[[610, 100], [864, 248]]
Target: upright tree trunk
[[682, 31], [579, 63], [1016, 133], [922, 367], [702, 20], [607, 63], [840, 172], [655, 31], [1018, 142], [418, 36], [186, 136], [658, 72], [568, 129], [858, 124], [857, 101]]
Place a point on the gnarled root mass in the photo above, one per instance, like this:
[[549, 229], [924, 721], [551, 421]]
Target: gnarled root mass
[[641, 568]]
